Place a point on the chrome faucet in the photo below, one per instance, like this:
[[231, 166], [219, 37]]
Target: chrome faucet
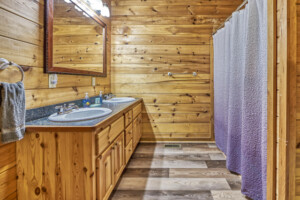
[[61, 110], [109, 96]]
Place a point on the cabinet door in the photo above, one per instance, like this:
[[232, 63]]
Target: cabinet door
[[135, 133], [119, 160], [105, 174], [139, 128]]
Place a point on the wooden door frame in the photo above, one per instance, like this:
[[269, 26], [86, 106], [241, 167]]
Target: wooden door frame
[[272, 101], [282, 100]]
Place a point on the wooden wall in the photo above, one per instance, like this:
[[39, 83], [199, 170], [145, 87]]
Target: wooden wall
[[21, 41], [298, 105], [154, 37], [287, 101]]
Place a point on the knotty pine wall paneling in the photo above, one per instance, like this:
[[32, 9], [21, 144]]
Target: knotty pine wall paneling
[[21, 41], [297, 171], [151, 38]]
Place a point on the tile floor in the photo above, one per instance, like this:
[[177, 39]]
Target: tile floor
[[190, 172]]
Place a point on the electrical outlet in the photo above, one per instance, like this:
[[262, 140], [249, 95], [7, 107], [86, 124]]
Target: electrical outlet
[[52, 80], [93, 81]]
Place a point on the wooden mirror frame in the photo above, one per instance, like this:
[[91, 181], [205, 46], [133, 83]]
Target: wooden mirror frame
[[48, 50]]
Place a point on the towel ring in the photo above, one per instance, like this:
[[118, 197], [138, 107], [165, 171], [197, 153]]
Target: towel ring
[[5, 64]]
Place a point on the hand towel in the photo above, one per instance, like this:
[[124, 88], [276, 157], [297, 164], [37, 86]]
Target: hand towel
[[12, 112]]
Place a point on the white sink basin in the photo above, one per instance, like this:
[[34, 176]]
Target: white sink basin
[[120, 100], [80, 115]]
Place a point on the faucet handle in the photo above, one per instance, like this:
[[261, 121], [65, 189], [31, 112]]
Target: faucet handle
[[71, 104], [60, 109], [106, 96]]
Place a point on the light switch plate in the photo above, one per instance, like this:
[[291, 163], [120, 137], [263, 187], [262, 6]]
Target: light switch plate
[[52, 80], [93, 81]]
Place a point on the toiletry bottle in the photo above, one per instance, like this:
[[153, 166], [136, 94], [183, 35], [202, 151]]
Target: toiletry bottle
[[101, 97], [86, 101]]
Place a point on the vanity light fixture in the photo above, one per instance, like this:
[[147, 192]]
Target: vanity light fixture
[[105, 11]]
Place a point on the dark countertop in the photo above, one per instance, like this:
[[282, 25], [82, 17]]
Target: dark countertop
[[118, 109]]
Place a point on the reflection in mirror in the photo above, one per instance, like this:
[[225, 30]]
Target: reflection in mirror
[[78, 40]]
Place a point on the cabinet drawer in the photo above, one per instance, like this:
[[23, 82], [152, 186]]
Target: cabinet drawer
[[128, 151], [128, 134], [137, 110], [128, 118], [108, 135]]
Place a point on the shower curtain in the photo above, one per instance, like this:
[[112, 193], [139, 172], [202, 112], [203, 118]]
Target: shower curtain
[[240, 77]]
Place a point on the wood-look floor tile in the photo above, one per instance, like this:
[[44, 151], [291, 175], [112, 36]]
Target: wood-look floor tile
[[192, 171], [217, 156], [212, 145], [173, 156], [165, 163], [203, 173], [144, 172], [200, 150], [195, 145], [228, 195], [159, 149], [216, 163], [161, 195], [198, 184], [235, 183]]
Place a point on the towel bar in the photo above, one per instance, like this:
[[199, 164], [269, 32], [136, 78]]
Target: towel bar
[[5, 63], [171, 74]]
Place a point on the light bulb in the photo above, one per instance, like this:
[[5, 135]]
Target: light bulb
[[78, 9], [86, 15], [105, 11], [96, 4], [67, 1]]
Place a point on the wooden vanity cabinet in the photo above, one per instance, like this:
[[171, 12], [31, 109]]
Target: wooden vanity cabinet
[[78, 163]]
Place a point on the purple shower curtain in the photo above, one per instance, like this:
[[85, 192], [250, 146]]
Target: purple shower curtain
[[254, 134], [241, 95], [236, 90]]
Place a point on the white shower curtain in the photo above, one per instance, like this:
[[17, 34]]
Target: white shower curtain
[[240, 83], [219, 71], [236, 89]]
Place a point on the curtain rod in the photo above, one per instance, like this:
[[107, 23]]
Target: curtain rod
[[242, 5]]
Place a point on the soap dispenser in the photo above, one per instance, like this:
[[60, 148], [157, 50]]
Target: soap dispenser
[[86, 101], [101, 97]]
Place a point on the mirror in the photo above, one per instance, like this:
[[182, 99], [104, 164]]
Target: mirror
[[75, 39]]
